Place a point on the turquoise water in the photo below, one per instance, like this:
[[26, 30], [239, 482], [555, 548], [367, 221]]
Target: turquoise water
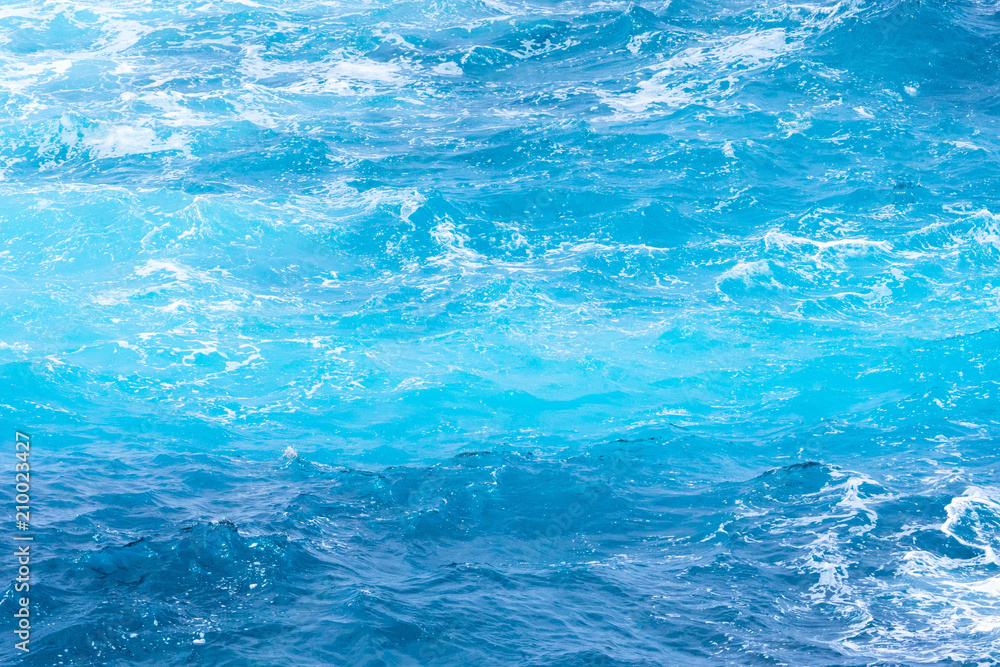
[[531, 333]]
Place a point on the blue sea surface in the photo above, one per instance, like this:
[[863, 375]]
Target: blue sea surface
[[501, 332]]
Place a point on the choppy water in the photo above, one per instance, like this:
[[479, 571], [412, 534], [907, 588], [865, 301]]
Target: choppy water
[[528, 333]]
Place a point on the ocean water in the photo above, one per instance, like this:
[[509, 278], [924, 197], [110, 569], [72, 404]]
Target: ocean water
[[517, 333]]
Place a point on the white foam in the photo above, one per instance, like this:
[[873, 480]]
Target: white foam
[[340, 73], [967, 507], [747, 271], [120, 140], [452, 242], [448, 69], [783, 240], [681, 80]]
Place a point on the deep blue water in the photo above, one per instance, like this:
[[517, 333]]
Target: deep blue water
[[503, 333]]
